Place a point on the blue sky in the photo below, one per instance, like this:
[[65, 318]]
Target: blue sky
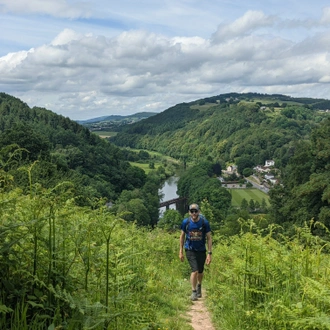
[[85, 59]]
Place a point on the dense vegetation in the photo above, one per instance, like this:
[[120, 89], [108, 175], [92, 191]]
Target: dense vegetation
[[264, 279], [305, 190], [69, 267], [199, 183], [57, 148], [244, 129], [63, 266]]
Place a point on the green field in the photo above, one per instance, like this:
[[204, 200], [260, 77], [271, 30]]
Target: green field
[[105, 134], [252, 193], [144, 167], [155, 154]]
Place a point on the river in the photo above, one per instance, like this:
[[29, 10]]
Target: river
[[169, 192]]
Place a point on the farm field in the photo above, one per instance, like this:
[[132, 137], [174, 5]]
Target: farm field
[[250, 193]]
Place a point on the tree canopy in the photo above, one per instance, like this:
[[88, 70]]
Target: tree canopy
[[304, 194], [64, 150], [232, 128]]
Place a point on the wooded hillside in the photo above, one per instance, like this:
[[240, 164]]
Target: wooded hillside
[[248, 128], [61, 149]]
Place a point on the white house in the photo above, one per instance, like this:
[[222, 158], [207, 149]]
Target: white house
[[269, 163], [271, 179], [231, 169]]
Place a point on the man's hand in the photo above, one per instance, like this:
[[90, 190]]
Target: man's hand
[[208, 259], [181, 256]]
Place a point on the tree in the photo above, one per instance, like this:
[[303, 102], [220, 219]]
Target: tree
[[257, 206], [26, 137], [134, 210], [245, 161], [171, 220], [217, 169], [304, 195], [144, 154], [247, 172], [252, 205], [244, 204]]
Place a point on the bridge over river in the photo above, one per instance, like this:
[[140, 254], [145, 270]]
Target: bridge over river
[[175, 201]]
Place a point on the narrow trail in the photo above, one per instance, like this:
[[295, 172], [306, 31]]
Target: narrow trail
[[199, 316]]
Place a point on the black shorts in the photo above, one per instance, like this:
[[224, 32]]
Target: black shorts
[[196, 260]]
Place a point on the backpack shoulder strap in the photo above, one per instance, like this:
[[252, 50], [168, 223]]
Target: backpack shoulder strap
[[203, 225], [187, 225]]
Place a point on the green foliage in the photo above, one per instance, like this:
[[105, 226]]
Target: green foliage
[[228, 129], [258, 282], [62, 265], [244, 163], [304, 194], [170, 220], [198, 184], [64, 150], [252, 205], [244, 204], [247, 172]]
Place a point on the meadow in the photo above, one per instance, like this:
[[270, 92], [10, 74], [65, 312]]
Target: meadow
[[249, 193], [146, 167]]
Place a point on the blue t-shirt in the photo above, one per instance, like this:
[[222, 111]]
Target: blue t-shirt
[[195, 233]]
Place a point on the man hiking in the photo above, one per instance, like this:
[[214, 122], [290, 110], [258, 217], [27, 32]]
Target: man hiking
[[195, 230]]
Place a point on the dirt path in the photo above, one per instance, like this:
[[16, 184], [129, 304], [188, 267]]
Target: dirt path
[[200, 318]]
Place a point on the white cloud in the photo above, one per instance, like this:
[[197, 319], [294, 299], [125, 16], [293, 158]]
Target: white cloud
[[65, 37], [249, 22], [83, 74], [57, 8], [325, 19]]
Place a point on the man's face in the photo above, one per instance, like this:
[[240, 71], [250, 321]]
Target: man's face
[[194, 214]]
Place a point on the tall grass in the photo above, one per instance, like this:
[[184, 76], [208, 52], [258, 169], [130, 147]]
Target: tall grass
[[65, 267], [259, 282]]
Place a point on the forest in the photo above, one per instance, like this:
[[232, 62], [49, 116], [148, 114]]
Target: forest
[[82, 245], [249, 129]]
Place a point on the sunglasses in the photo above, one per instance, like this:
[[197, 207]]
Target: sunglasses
[[193, 211]]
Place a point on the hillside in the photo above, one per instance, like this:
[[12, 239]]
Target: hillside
[[113, 121], [57, 148], [245, 128]]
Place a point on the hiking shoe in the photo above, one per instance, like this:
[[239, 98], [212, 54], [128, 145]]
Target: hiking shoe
[[194, 296], [199, 291]]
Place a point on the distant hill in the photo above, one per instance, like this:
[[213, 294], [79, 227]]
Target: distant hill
[[248, 128], [109, 122]]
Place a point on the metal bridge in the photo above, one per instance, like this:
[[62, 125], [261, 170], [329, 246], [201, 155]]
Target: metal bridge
[[172, 201]]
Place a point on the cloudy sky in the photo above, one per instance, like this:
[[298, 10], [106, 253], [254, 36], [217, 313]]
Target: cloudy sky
[[90, 58]]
